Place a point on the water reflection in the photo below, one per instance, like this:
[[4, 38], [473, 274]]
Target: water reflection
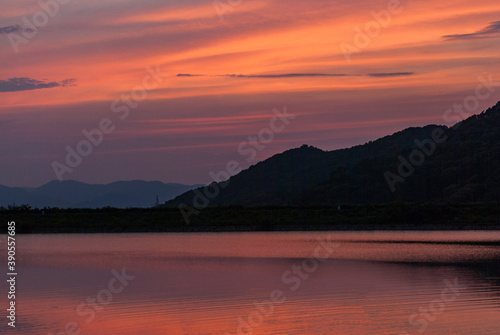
[[261, 283]]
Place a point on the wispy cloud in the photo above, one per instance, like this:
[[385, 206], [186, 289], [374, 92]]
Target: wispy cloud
[[390, 74], [189, 75], [10, 29], [68, 82], [27, 84], [493, 30], [14, 29]]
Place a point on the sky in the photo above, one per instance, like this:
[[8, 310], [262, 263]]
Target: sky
[[177, 87]]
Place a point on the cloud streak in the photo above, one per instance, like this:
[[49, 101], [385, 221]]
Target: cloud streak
[[390, 74], [10, 29], [28, 84], [493, 30], [14, 29], [189, 75]]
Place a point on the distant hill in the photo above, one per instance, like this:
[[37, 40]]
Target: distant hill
[[73, 194], [463, 167]]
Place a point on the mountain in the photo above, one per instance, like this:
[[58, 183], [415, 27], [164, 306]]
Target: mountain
[[73, 194], [420, 164]]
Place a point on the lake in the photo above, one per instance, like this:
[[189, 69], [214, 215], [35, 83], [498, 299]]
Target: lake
[[257, 283]]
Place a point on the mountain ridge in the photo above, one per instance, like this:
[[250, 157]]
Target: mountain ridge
[[462, 168], [75, 194]]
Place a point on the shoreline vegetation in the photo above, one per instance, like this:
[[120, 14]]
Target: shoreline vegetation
[[346, 217]]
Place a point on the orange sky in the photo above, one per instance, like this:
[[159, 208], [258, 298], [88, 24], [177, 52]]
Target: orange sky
[[427, 58]]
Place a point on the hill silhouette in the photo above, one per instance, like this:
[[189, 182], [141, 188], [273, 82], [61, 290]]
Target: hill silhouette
[[420, 164], [73, 194]]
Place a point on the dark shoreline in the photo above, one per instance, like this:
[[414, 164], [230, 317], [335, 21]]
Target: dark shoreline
[[394, 216]]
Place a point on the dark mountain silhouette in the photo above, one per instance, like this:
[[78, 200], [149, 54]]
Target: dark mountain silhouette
[[463, 167], [73, 194]]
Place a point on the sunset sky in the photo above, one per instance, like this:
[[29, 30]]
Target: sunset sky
[[228, 68]]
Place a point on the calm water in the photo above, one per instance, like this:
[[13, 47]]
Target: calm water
[[319, 283]]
